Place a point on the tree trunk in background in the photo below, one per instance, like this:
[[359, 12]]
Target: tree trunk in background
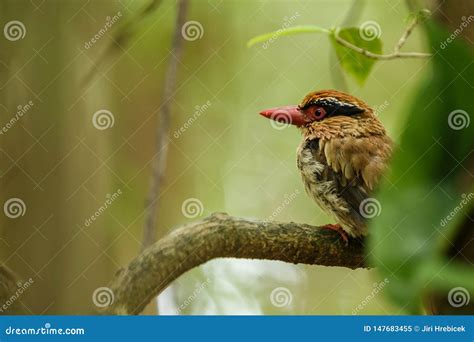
[[44, 163]]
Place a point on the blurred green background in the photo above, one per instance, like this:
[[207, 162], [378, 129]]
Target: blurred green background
[[229, 158]]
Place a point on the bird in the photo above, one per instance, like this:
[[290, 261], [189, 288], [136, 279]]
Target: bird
[[343, 154]]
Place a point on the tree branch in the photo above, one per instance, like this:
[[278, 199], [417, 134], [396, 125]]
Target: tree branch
[[223, 236], [162, 132], [396, 50]]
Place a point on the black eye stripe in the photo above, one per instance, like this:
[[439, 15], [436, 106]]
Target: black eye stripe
[[335, 107]]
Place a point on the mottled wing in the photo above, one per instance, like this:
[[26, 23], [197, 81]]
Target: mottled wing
[[355, 165]]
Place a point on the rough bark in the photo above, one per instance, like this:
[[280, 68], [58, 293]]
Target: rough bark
[[223, 236]]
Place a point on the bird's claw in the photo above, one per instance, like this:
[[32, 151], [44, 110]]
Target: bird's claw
[[337, 228]]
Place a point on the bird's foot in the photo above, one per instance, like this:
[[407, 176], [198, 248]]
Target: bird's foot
[[337, 228]]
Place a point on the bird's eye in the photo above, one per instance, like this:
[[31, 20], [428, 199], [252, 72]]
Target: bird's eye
[[319, 113]]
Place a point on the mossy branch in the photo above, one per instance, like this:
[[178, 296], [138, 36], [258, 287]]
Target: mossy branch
[[223, 236]]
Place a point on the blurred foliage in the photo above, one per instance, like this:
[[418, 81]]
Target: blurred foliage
[[352, 62], [431, 170]]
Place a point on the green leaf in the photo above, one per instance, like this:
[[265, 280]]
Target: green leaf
[[286, 32], [354, 63]]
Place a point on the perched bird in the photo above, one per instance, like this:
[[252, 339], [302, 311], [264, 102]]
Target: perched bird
[[344, 152]]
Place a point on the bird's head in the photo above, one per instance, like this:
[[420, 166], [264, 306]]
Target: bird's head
[[320, 106]]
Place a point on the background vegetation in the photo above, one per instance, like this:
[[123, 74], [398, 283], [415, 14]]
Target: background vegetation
[[229, 158]]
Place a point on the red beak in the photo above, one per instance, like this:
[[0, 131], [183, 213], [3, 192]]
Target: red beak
[[288, 115]]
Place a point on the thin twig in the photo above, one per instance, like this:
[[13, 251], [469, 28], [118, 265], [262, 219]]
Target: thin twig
[[162, 132], [223, 236], [396, 51], [406, 34]]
